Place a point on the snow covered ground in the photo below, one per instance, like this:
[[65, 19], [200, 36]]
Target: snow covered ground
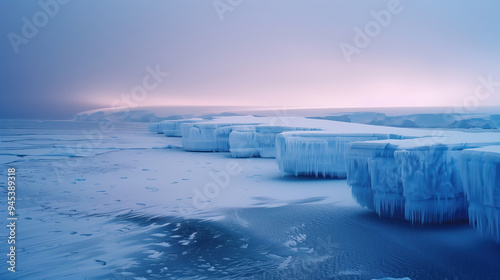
[[111, 200]]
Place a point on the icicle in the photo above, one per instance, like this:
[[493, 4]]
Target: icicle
[[436, 211], [480, 169], [241, 144], [259, 142], [316, 153], [421, 183], [486, 220], [432, 185], [388, 204], [386, 183], [206, 137], [363, 160], [363, 196]]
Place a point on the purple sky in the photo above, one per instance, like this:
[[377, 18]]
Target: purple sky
[[61, 58]]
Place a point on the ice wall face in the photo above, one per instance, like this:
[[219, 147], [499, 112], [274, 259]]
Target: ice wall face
[[172, 128], [431, 182], [316, 153], [207, 137], [241, 143], [260, 141], [154, 127], [406, 179], [388, 198], [481, 179], [372, 174]]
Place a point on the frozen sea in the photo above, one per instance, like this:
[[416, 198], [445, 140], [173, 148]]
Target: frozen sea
[[123, 203]]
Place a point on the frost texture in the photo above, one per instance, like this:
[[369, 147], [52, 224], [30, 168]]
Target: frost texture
[[316, 153], [258, 141], [481, 179]]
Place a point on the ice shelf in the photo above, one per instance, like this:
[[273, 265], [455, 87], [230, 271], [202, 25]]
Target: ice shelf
[[208, 137], [371, 172], [317, 153], [481, 179], [258, 141], [416, 179], [419, 175], [155, 127], [172, 128], [431, 182]]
